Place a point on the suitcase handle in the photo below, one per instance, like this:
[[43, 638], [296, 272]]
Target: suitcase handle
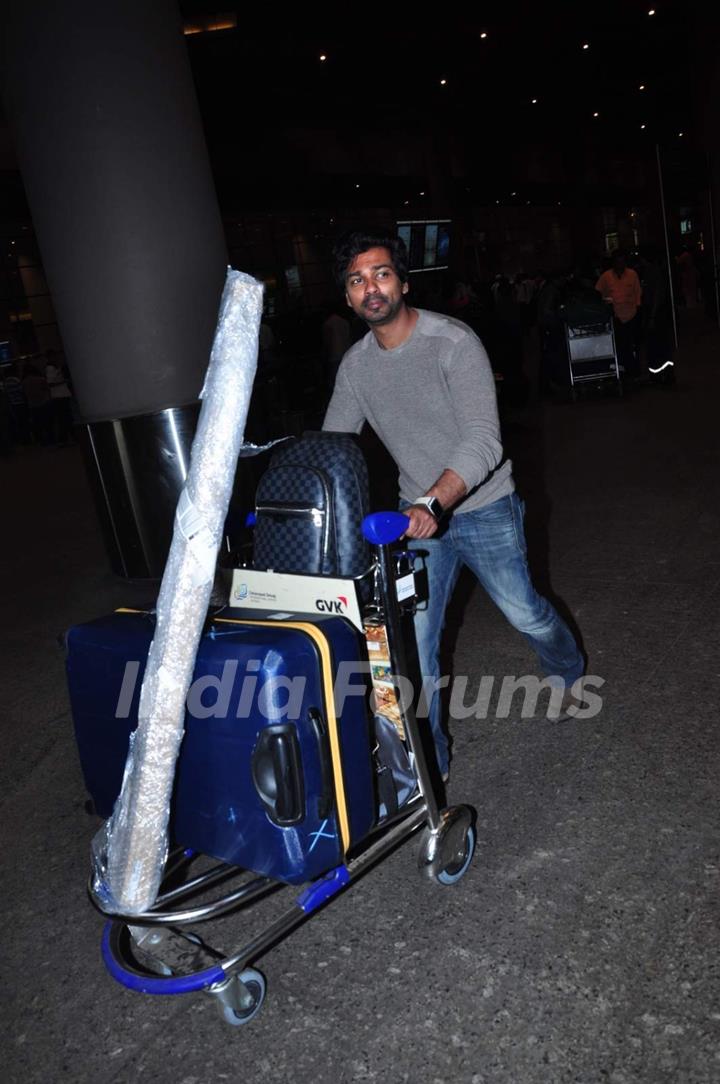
[[278, 776], [325, 800]]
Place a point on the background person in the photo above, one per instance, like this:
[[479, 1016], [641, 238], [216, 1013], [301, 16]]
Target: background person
[[620, 286]]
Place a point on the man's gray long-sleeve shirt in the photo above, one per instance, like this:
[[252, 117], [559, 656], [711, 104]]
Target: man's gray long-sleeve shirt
[[432, 402]]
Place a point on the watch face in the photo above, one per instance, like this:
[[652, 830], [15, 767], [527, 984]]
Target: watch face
[[433, 506]]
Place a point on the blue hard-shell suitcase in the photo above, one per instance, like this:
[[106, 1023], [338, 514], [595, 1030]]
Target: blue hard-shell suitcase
[[269, 777]]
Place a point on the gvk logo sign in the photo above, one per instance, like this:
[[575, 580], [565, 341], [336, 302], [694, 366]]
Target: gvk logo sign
[[336, 605]]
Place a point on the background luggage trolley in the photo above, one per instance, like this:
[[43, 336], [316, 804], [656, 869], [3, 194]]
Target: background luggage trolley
[[278, 798], [592, 355]]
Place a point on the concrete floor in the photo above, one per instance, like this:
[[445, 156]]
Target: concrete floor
[[583, 943]]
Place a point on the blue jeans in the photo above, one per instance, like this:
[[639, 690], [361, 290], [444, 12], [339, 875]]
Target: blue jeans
[[491, 542]]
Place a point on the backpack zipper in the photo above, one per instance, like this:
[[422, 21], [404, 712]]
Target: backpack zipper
[[279, 508], [320, 517]]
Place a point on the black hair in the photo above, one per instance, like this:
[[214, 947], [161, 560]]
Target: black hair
[[355, 242]]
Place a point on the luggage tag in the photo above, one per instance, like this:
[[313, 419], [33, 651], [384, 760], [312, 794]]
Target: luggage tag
[[405, 587], [408, 578]]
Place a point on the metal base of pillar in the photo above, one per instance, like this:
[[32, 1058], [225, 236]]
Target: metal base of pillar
[[137, 469]]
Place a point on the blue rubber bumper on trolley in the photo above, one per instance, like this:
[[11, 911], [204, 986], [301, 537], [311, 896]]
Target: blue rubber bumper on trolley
[[156, 984]]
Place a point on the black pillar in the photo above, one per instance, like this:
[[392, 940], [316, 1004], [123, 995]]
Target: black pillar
[[110, 142]]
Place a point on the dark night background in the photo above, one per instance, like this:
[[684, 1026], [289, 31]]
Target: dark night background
[[302, 147]]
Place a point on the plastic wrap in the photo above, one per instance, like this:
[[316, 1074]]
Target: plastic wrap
[[129, 852]]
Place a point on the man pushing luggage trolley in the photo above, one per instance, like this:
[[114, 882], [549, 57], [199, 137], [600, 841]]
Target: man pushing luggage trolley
[[424, 384]]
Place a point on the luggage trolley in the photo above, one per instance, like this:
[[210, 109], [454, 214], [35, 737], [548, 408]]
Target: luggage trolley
[[159, 952], [592, 356]]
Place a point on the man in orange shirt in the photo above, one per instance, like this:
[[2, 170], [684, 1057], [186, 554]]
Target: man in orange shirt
[[621, 287]]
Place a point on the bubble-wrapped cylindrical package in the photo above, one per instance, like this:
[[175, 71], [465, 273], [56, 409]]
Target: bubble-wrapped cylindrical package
[[129, 852]]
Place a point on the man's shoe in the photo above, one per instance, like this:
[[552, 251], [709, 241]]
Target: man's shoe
[[568, 708]]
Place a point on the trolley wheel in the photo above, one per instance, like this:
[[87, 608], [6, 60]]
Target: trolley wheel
[[457, 867], [246, 997], [446, 850]]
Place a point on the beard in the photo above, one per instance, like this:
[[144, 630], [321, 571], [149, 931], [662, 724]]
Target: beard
[[384, 315]]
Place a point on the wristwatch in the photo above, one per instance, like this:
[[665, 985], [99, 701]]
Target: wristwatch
[[433, 506]]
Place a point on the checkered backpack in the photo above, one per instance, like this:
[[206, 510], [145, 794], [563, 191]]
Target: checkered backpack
[[309, 506]]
